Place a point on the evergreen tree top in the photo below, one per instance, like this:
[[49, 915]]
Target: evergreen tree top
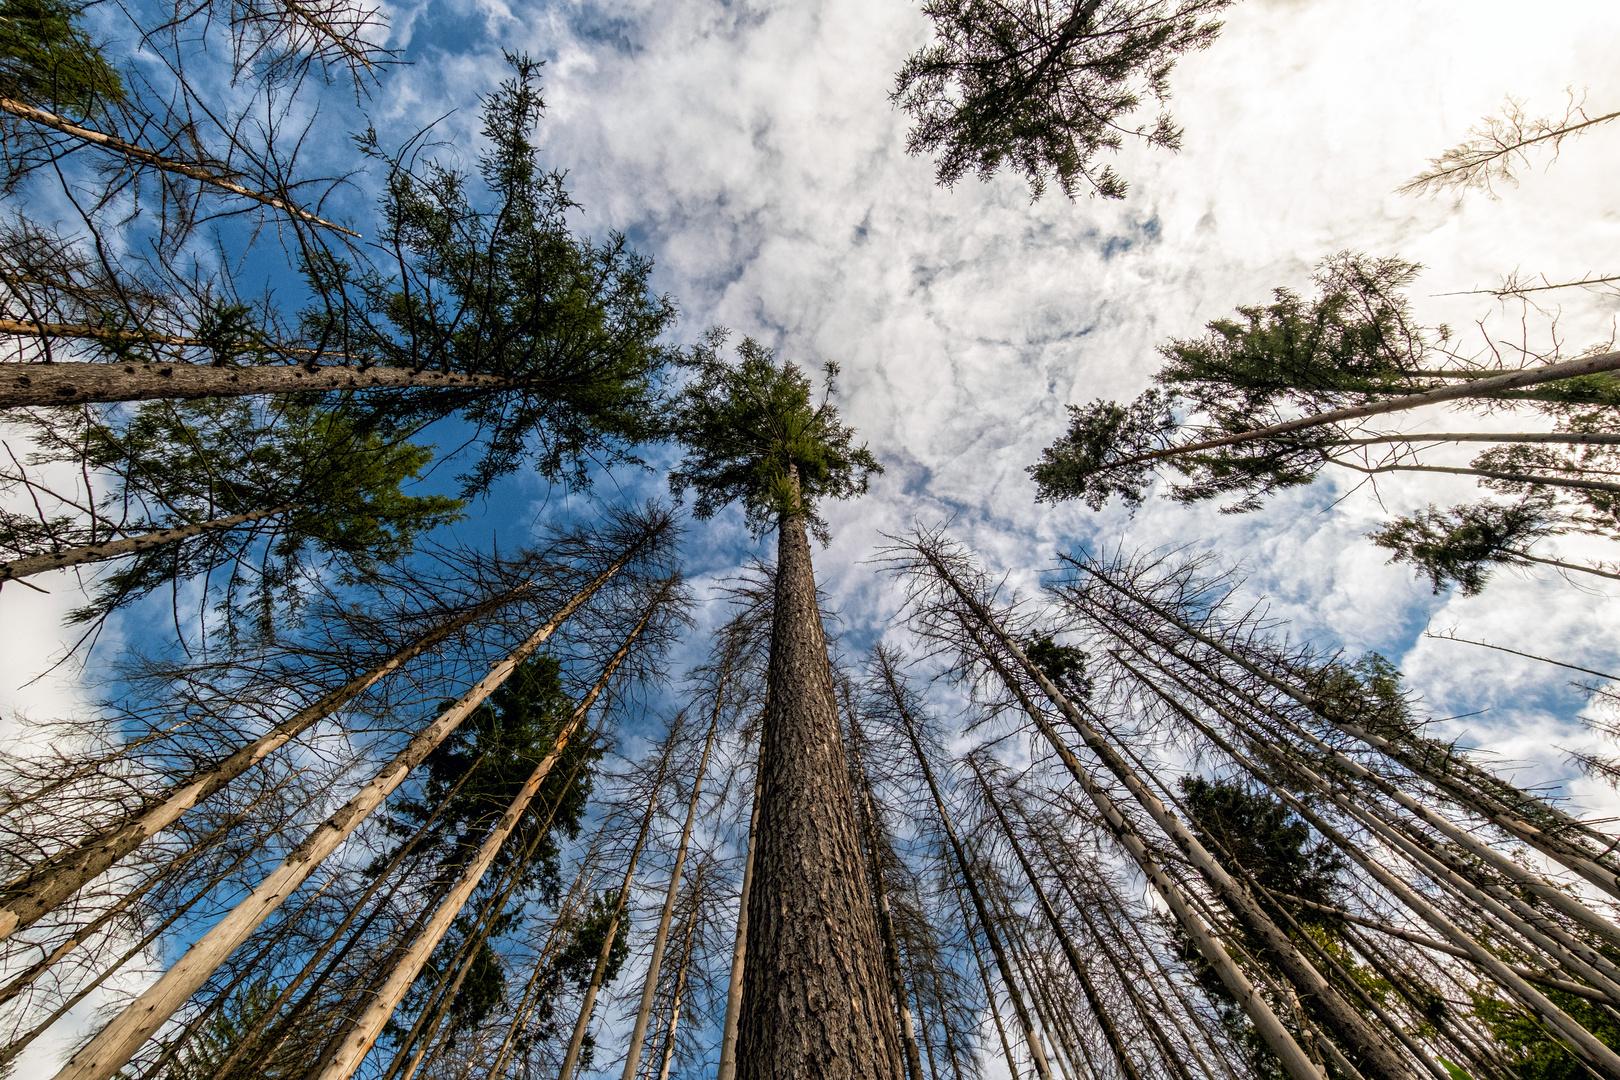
[[753, 433]]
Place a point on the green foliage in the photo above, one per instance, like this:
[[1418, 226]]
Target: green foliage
[[336, 484], [1081, 465], [481, 765], [1462, 545], [236, 1018], [1531, 1051], [749, 428], [498, 285], [1065, 665], [1367, 693], [1257, 832], [1044, 88], [47, 58]]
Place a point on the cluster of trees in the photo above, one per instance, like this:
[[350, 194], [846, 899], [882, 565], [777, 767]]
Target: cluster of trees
[[417, 810]]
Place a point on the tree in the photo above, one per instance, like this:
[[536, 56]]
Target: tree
[[185, 489], [47, 57], [815, 1000], [1043, 89]]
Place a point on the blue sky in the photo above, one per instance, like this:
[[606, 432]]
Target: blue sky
[[750, 148]]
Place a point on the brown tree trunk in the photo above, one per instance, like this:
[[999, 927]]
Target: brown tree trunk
[[814, 1003], [79, 382], [129, 545]]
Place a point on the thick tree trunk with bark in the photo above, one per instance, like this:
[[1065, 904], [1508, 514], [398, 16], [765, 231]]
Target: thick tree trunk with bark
[[815, 1005], [129, 545], [76, 382]]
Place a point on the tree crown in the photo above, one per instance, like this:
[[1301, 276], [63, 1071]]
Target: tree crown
[[753, 433]]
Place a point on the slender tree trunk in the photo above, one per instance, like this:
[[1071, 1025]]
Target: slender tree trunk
[[588, 1006], [680, 979], [1473, 388], [112, 1048], [734, 990], [814, 1006], [984, 978], [32, 896], [1469, 786], [1122, 1057], [358, 1043], [1276, 1037], [141, 155], [866, 812], [1570, 482], [1344, 1021], [649, 986], [130, 545], [986, 924], [72, 382]]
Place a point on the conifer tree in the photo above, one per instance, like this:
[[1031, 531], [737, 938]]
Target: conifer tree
[[814, 997]]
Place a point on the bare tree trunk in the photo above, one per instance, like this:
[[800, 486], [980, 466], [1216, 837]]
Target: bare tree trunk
[[1276, 1037], [984, 978], [680, 979], [632, 1059], [813, 1004], [866, 812], [130, 545], [1042, 1070], [119, 1040], [1344, 1021], [73, 382], [1110, 1033], [728, 1027], [141, 155], [588, 1006], [29, 898], [358, 1043]]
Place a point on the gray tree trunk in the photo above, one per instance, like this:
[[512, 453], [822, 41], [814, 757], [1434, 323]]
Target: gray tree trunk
[[129, 545]]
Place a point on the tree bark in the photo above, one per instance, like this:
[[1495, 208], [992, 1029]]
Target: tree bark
[[80, 382], [143, 156], [31, 897], [358, 1043], [112, 1048], [649, 987], [129, 545], [814, 1005], [728, 1027], [588, 1006]]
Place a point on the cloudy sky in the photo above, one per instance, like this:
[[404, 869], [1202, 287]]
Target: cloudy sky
[[750, 148]]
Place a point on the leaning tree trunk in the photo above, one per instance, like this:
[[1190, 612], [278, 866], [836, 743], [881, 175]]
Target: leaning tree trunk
[[649, 986], [359, 1042], [32, 896], [728, 1027], [130, 545], [112, 1048], [75, 382], [815, 1005]]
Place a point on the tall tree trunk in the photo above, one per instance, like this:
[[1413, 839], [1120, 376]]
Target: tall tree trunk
[[1081, 971], [358, 1043], [876, 850], [73, 382], [1345, 1023], [35, 894], [1473, 388], [588, 1006], [814, 1005], [141, 155], [984, 979], [112, 1048], [679, 992], [965, 870], [734, 989], [1272, 1031], [649, 986], [130, 545]]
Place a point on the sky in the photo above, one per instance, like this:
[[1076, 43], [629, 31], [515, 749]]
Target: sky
[[752, 151]]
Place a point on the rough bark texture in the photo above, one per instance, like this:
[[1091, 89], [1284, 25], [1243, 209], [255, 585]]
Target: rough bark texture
[[76, 382], [815, 1004]]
